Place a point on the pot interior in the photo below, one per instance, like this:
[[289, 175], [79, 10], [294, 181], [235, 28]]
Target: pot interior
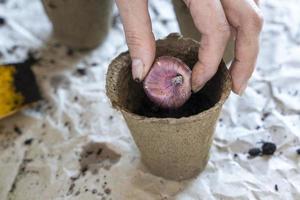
[[132, 98]]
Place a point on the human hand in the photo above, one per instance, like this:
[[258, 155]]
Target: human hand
[[216, 20]]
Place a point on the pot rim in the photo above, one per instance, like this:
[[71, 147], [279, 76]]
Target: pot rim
[[190, 119]]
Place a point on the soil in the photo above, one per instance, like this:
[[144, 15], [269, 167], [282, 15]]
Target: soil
[[81, 72], [18, 130], [254, 152], [276, 187], [28, 141], [197, 103], [268, 148], [2, 21]]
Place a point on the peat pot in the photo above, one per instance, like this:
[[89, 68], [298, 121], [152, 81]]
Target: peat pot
[[172, 147]]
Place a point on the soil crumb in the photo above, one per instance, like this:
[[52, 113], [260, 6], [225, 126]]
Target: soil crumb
[[253, 152], [28, 141], [81, 71], [268, 148], [2, 21], [276, 187]]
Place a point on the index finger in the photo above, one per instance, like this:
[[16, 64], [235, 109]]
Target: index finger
[[139, 36]]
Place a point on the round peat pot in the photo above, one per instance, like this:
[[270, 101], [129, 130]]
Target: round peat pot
[[174, 145], [81, 24]]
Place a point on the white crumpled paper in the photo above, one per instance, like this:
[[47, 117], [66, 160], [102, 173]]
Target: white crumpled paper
[[64, 132]]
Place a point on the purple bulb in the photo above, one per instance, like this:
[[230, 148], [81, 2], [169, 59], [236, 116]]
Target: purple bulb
[[168, 83]]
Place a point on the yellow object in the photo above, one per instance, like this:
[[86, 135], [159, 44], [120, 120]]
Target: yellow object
[[10, 99]]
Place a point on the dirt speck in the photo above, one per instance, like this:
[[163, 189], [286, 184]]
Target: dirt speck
[[94, 64], [2, 21], [268, 148], [265, 115], [17, 130], [81, 72], [94, 191], [253, 152], [74, 178], [28, 141], [107, 191], [71, 189]]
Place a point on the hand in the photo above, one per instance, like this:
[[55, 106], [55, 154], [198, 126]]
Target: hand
[[216, 20]]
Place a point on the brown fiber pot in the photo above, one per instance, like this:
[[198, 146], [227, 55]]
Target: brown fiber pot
[[174, 148], [80, 24]]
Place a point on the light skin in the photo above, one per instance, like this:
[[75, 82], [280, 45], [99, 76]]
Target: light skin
[[216, 20]]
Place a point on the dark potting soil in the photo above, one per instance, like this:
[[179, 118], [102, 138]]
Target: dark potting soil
[[254, 152], [197, 103], [2, 21], [81, 72], [268, 148], [276, 187]]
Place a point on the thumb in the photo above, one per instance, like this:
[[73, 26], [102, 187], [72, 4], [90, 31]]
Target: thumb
[[139, 36]]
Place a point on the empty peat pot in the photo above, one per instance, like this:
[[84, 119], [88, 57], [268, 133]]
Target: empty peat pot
[[174, 145], [80, 24]]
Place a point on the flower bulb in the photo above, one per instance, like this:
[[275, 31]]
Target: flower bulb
[[168, 83]]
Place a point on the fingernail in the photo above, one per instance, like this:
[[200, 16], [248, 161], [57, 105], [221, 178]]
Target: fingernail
[[242, 89], [137, 69]]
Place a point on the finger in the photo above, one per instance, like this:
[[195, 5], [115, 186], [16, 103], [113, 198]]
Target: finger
[[244, 15], [139, 36], [210, 20]]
